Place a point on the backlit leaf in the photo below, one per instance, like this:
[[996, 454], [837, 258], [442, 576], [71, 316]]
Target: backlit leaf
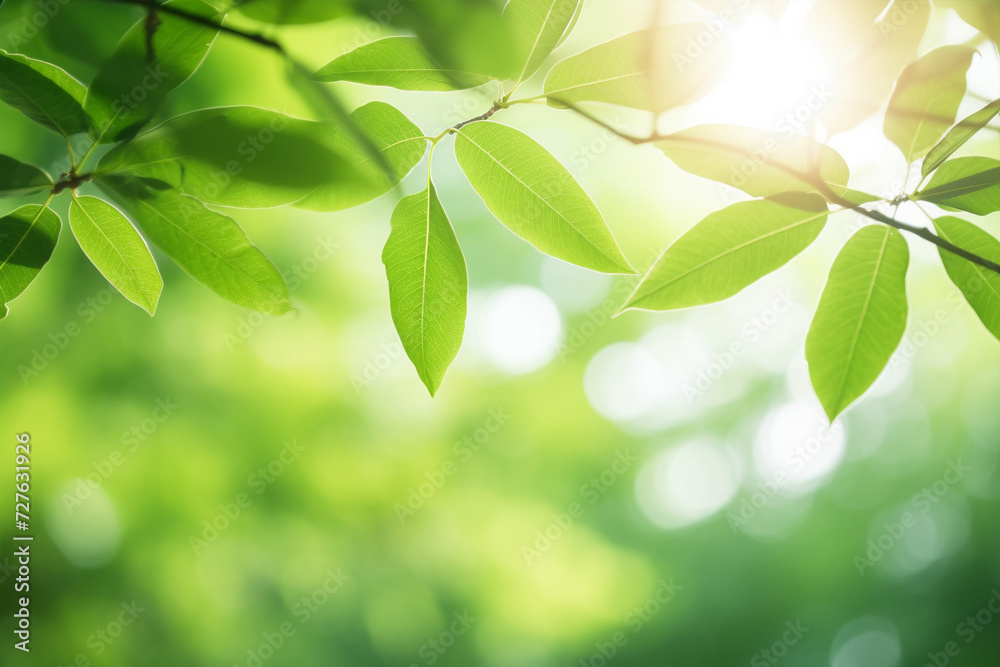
[[860, 318], [979, 285], [530, 192], [19, 178], [729, 250], [958, 135], [967, 183], [28, 236], [43, 92], [538, 26], [116, 249], [428, 284]]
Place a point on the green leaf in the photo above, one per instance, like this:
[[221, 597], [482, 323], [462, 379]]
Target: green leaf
[[759, 162], [572, 24], [28, 236], [860, 318], [983, 15], [131, 86], [535, 197], [967, 183], [401, 143], [729, 250], [20, 178], [538, 26], [958, 135], [116, 249], [428, 284], [234, 156], [209, 246], [291, 12], [926, 99], [979, 285], [400, 62], [43, 92], [646, 70]]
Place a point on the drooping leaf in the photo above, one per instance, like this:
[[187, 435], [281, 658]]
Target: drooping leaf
[[428, 284], [43, 92], [234, 156], [958, 135], [531, 193], [983, 15], [209, 246], [862, 76], [729, 250], [860, 318], [926, 99], [538, 26], [967, 183], [292, 12], [131, 86], [759, 162], [20, 178], [399, 62], [647, 70], [979, 285], [114, 246], [28, 236], [399, 140]]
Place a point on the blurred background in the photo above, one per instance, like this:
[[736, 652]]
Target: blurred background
[[212, 487]]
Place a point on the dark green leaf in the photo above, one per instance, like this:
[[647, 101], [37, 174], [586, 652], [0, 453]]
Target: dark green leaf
[[967, 183], [860, 318], [19, 178], [646, 70], [979, 285], [28, 236], [131, 86], [958, 135], [926, 99], [729, 250], [116, 249], [234, 156], [428, 284], [43, 92], [535, 197], [400, 62], [401, 142], [209, 246]]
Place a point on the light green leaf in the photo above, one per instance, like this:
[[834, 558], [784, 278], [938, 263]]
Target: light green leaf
[[979, 285], [209, 246], [401, 143], [20, 178], [114, 246], [926, 99], [43, 92], [759, 162], [400, 62], [967, 183], [428, 284], [729, 250], [131, 86], [983, 15], [958, 135], [572, 24], [234, 156], [535, 197], [860, 318], [646, 70], [28, 236], [537, 26]]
